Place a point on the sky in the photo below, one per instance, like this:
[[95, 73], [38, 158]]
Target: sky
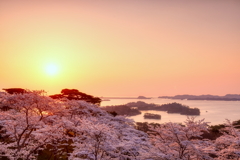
[[121, 48]]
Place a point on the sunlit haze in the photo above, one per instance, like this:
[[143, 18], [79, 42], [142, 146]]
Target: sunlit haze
[[121, 48], [52, 69]]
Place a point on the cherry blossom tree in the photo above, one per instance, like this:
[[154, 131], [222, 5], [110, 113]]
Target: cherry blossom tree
[[227, 146], [25, 126], [175, 141], [99, 135], [34, 122]]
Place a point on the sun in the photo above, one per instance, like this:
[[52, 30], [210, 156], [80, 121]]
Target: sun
[[52, 69]]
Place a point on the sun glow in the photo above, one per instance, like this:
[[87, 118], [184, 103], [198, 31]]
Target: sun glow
[[52, 69]]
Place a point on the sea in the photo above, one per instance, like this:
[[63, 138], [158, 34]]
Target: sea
[[215, 112]]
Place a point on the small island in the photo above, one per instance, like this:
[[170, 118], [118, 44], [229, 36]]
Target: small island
[[143, 97], [208, 97], [152, 116]]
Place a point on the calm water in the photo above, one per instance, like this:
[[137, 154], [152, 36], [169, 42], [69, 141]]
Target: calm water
[[213, 111]]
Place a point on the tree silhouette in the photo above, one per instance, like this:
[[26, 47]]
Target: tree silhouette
[[74, 94], [15, 90]]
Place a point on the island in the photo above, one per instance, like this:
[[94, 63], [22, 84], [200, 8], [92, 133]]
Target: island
[[139, 97], [169, 108], [143, 97], [122, 110], [152, 116], [227, 97], [135, 108]]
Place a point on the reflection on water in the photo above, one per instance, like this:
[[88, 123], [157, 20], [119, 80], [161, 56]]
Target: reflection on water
[[213, 111]]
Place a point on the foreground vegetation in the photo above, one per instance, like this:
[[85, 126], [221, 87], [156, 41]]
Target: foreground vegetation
[[35, 126]]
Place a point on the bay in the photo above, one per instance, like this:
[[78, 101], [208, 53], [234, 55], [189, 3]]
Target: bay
[[215, 112]]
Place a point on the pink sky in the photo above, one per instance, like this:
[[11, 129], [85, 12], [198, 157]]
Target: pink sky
[[121, 48]]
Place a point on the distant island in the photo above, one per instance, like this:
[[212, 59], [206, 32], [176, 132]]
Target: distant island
[[135, 108], [227, 97], [142, 97], [139, 97], [152, 116]]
